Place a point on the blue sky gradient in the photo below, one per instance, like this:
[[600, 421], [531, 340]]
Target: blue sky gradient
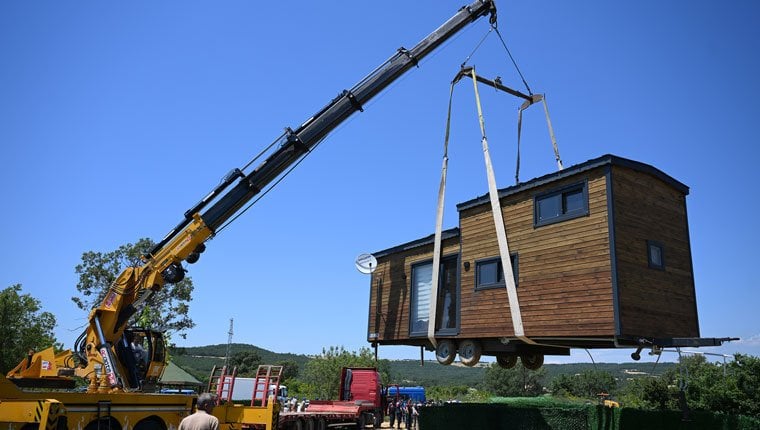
[[115, 118]]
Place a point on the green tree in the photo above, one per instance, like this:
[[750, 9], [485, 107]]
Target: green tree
[[246, 362], [321, 377], [651, 392], [587, 384], [731, 388], [289, 370], [167, 309], [746, 373], [23, 327], [515, 382], [447, 392]]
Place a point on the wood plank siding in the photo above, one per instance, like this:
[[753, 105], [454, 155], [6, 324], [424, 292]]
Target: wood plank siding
[[582, 275], [564, 284], [652, 302], [391, 289]]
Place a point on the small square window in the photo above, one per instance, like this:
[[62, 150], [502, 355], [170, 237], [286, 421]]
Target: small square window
[[560, 205], [490, 274], [656, 255]]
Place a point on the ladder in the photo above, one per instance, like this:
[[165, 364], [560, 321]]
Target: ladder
[[267, 382], [222, 383]]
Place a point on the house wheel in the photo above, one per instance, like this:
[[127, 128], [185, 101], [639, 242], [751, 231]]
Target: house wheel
[[532, 361], [469, 352], [445, 352], [506, 361]]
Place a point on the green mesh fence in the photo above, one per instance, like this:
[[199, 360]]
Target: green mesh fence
[[542, 413]]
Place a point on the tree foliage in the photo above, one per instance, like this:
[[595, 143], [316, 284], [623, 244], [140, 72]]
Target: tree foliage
[[587, 385], [167, 309], [289, 369], [732, 388], [447, 392], [246, 362], [23, 327], [515, 382], [321, 377]]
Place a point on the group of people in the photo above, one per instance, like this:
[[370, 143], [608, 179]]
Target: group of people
[[403, 412], [293, 405]]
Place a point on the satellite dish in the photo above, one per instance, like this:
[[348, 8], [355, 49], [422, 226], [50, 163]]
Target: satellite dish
[[366, 263]]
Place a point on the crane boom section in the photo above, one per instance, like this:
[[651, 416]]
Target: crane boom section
[[313, 130]]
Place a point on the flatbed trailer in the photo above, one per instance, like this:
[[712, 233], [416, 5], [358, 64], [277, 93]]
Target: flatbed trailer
[[321, 414]]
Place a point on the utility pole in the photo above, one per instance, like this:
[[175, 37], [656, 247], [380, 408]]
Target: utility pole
[[229, 344]]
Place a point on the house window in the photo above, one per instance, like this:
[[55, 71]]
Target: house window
[[447, 309], [422, 280], [656, 255], [489, 273], [561, 205]]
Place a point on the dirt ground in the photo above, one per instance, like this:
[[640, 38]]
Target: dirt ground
[[387, 425]]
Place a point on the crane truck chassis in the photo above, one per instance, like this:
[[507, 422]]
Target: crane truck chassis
[[116, 397]]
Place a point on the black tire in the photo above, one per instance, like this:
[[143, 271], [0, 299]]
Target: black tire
[[362, 423], [310, 424], [506, 361], [532, 361], [298, 425], [469, 352], [321, 424], [378, 419], [445, 352], [109, 423], [152, 423]]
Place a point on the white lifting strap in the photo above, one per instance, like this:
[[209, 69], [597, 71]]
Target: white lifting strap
[[438, 229], [501, 234], [535, 98]]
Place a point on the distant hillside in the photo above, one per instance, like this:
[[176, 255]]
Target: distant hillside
[[199, 360], [409, 372]]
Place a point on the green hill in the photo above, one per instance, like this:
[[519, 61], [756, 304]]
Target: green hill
[[199, 360]]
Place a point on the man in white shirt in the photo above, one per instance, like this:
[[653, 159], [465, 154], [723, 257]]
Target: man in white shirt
[[202, 418]]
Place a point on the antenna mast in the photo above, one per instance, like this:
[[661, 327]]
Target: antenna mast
[[229, 344]]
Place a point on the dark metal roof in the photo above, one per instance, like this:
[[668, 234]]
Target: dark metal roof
[[579, 168], [445, 234]]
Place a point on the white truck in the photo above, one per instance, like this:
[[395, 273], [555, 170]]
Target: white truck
[[242, 391]]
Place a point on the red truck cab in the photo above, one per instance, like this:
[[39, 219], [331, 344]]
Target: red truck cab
[[360, 400]]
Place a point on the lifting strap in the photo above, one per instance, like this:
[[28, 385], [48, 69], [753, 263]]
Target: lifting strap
[[509, 280], [501, 234], [439, 227], [535, 98]]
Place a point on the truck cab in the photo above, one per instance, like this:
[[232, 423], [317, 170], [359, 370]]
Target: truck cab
[[360, 384]]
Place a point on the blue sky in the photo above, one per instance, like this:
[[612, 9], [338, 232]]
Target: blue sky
[[116, 118]]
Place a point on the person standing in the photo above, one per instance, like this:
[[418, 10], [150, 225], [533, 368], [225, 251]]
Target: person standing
[[415, 414], [399, 413], [202, 418], [392, 412]]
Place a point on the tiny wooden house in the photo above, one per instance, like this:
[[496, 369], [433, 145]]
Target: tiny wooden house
[[601, 258]]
